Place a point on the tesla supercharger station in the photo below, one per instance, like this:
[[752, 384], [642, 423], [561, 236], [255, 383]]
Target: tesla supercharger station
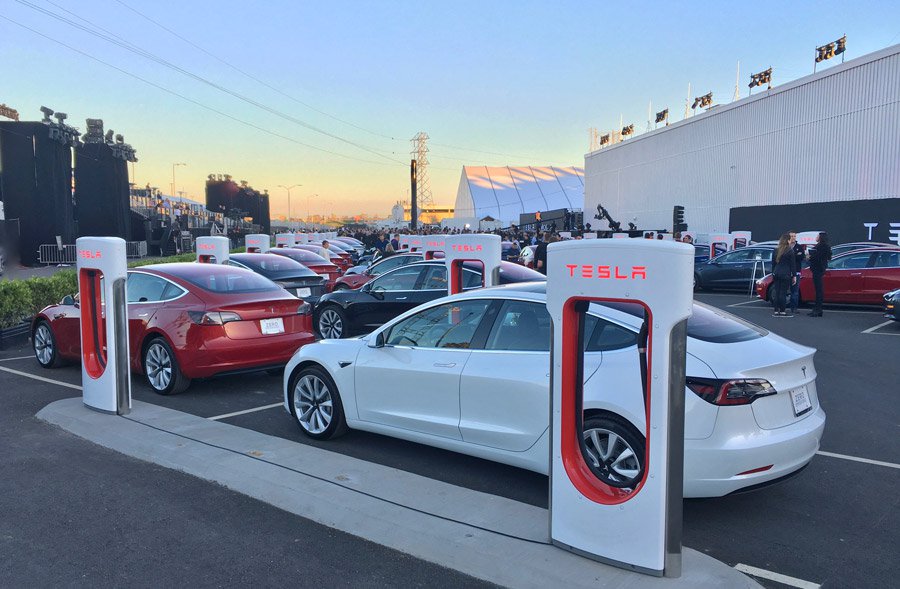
[[257, 243], [589, 235], [620, 235], [416, 243], [637, 528], [404, 242], [102, 268], [213, 249], [808, 238], [718, 244], [301, 238], [740, 239], [475, 247], [431, 246], [284, 240]]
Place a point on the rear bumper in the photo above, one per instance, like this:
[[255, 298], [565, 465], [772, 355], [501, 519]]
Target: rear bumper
[[226, 355], [711, 465]]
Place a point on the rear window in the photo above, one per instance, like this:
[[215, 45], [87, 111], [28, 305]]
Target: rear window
[[515, 273], [707, 324], [277, 267], [235, 282]]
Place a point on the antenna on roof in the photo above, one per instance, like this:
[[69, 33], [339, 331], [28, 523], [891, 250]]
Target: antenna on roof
[[649, 110], [687, 102], [737, 82]]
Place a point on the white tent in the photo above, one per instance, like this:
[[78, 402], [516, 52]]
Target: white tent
[[506, 192]]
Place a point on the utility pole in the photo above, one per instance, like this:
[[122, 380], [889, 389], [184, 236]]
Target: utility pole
[[737, 83], [288, 188], [173, 176], [687, 102]]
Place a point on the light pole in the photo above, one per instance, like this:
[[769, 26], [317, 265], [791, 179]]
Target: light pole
[[173, 176], [307, 206], [288, 188]]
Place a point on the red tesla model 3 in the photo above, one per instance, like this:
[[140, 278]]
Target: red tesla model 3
[[189, 321]]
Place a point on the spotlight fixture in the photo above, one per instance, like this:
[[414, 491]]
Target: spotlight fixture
[[764, 77], [604, 139], [9, 112], [94, 131], [48, 112], [829, 50], [704, 101], [109, 136], [629, 130], [662, 115]]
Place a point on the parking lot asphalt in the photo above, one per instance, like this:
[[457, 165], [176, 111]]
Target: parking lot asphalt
[[834, 524]]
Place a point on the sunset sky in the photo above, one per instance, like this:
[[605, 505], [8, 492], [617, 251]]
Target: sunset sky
[[330, 93]]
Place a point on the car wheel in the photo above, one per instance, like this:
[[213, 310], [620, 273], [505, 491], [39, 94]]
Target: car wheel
[[44, 344], [333, 323], [615, 451], [697, 284], [161, 369], [316, 404]]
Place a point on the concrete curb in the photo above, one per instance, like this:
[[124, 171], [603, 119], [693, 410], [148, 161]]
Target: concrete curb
[[488, 537]]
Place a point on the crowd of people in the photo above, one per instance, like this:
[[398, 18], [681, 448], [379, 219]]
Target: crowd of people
[[787, 259]]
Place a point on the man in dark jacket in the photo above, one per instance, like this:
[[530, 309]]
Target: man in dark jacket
[[818, 263], [540, 255]]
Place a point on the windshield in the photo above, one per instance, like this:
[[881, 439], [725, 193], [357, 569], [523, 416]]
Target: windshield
[[234, 281]]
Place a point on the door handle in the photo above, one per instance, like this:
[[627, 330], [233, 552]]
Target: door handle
[[445, 364], [402, 298], [143, 314]]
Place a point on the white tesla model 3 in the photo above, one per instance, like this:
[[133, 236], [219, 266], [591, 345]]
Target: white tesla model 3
[[470, 373]]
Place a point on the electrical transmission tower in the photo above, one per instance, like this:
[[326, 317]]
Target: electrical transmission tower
[[423, 183]]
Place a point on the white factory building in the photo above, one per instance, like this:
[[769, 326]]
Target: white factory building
[[505, 192], [818, 153]]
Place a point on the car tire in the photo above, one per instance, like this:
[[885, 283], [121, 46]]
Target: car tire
[[316, 404], [161, 368], [332, 323], [43, 342], [697, 284], [615, 451]]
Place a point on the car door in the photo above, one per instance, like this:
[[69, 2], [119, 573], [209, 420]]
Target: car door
[[412, 382], [882, 276], [718, 272], [504, 396], [391, 294], [843, 280], [146, 294]]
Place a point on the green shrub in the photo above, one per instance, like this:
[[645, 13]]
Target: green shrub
[[15, 301]]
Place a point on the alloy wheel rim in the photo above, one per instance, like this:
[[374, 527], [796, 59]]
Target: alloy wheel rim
[[611, 456], [159, 367], [43, 344], [313, 404], [330, 324]]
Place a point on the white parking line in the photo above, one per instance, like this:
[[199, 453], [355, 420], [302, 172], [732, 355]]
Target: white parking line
[[877, 327], [857, 459], [18, 358], [747, 302], [777, 577], [41, 378], [254, 410]]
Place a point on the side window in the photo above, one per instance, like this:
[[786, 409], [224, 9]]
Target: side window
[[446, 326], [389, 264], [143, 288], [740, 256], [850, 262], [471, 279], [887, 260], [172, 291], [436, 278], [399, 279], [521, 326], [604, 336], [726, 258]]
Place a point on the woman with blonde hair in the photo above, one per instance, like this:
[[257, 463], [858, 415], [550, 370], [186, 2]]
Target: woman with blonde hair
[[783, 273]]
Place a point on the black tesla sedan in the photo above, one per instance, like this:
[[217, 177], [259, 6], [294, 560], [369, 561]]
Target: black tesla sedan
[[291, 275], [344, 313], [734, 270]]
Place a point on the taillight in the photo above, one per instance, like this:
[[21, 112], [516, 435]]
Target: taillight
[[304, 309], [213, 317], [730, 392]]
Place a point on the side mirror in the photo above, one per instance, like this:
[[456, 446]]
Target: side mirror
[[68, 300], [378, 342], [366, 287]]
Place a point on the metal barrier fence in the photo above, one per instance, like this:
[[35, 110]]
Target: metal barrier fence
[[50, 253], [136, 249]]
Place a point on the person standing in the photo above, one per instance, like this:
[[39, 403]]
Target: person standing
[[325, 251], [783, 274], [818, 263], [540, 255], [799, 256]]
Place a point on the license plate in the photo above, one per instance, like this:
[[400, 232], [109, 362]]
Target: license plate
[[800, 399], [270, 326], [303, 292]]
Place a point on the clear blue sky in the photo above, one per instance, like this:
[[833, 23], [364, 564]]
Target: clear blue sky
[[524, 80]]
